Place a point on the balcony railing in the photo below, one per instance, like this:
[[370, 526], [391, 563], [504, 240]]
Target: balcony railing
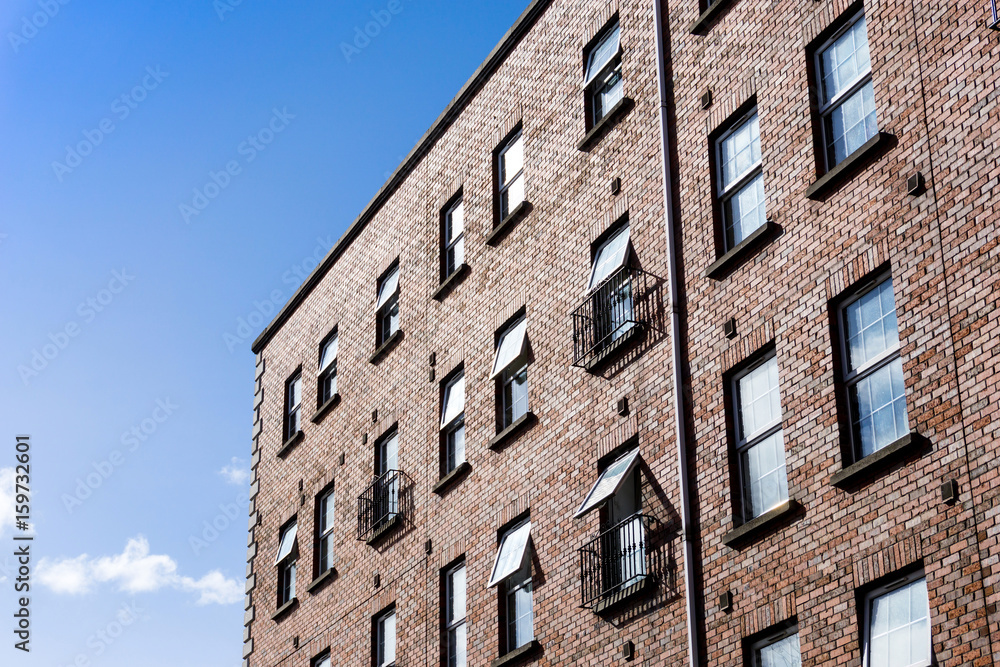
[[379, 505], [993, 21], [620, 305], [615, 560]]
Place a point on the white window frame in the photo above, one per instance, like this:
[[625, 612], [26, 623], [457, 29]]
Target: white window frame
[[504, 180], [453, 245], [385, 646], [325, 535], [727, 191], [293, 404], [827, 107], [745, 441], [453, 419], [853, 376], [322, 660], [328, 351], [454, 626], [885, 589], [597, 75], [614, 261], [609, 482]]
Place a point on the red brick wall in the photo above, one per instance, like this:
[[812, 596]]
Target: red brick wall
[[934, 73]]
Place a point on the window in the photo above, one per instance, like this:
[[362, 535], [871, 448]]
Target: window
[[454, 237], [897, 624], [285, 561], [454, 616], [328, 369], [322, 660], [324, 532], [385, 639], [740, 180], [293, 400], [611, 289], [759, 446], [873, 371], [510, 368], [387, 306], [387, 473], [603, 73], [846, 95], [511, 174], [512, 569], [617, 558], [780, 649], [453, 421]]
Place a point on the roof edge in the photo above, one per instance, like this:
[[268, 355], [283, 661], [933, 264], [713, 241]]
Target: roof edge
[[486, 69]]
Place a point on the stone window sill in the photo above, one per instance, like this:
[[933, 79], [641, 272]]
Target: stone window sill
[[285, 609], [616, 112], [700, 26], [508, 223], [617, 598], [321, 580], [748, 246], [847, 167], [290, 444], [522, 423], [608, 353], [325, 408], [452, 478], [384, 529], [517, 655], [384, 348], [450, 282], [755, 528], [874, 464]]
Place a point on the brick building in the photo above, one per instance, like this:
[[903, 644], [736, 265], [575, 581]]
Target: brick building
[[467, 432]]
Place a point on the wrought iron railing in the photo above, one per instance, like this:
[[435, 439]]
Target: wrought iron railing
[[379, 504], [615, 559], [618, 305]]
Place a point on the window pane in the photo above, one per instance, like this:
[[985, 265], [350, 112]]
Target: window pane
[[388, 287], [609, 481], [520, 615], [515, 394], [455, 221], [512, 196], [456, 446], [879, 406], [609, 93], [759, 399], [326, 513], [294, 393], [323, 662], [510, 346], [286, 543], [851, 124], [610, 256], [457, 652], [782, 653], [845, 61], [456, 595], [512, 160], [766, 481], [387, 639], [454, 400], [329, 353], [740, 151], [511, 553], [602, 53], [871, 325], [744, 211], [899, 631]]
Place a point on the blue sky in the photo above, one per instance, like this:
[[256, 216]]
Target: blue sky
[[169, 173]]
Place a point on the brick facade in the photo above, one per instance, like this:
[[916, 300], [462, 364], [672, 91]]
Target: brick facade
[[934, 70]]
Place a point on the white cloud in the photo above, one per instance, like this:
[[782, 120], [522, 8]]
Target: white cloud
[[236, 472], [6, 499], [135, 570]]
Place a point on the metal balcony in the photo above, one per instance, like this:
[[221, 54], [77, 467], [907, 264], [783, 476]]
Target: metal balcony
[[616, 311], [616, 561], [378, 506]]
